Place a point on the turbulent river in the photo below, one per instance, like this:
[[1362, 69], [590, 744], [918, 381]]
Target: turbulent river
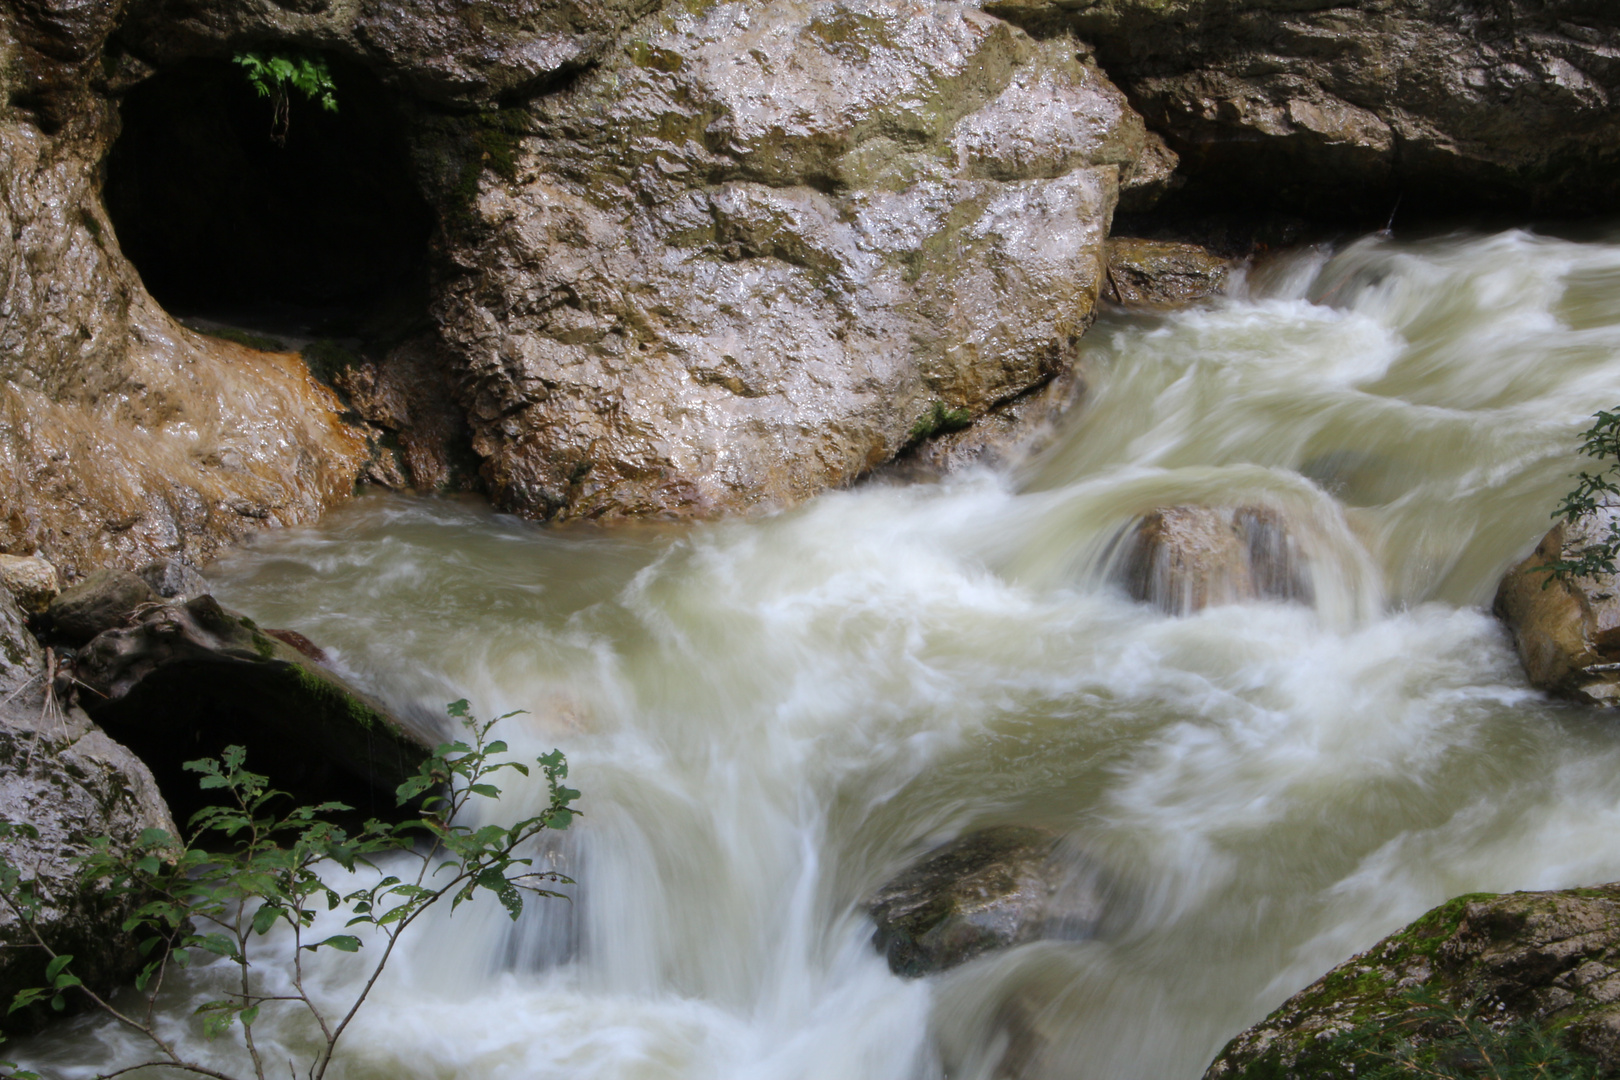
[[769, 718]]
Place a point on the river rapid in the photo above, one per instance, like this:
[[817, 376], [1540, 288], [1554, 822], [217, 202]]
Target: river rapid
[[769, 718]]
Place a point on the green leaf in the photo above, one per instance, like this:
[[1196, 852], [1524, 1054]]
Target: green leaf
[[54, 968], [340, 942]]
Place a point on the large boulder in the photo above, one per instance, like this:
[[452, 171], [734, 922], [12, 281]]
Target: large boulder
[[1186, 558], [747, 256], [1344, 107], [990, 889], [74, 784], [1567, 630], [1521, 967], [183, 681]]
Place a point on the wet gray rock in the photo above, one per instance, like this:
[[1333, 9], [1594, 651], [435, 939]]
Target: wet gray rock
[[104, 600], [73, 783], [174, 579], [1186, 558], [443, 51], [21, 659], [990, 889], [1342, 107], [1001, 438], [1567, 632], [739, 261], [1161, 275], [1547, 959], [186, 680]]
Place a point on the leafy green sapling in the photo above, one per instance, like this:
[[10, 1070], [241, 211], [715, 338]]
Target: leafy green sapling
[[1592, 491], [249, 868]]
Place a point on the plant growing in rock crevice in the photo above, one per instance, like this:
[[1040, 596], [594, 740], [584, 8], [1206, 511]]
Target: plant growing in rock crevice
[[276, 75], [196, 902], [1593, 491]]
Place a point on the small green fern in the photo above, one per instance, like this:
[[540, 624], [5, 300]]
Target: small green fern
[[275, 75]]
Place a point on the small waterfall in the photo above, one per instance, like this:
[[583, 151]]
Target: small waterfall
[[1226, 638]]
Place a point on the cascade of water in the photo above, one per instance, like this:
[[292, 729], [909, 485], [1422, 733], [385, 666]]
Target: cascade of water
[[770, 718]]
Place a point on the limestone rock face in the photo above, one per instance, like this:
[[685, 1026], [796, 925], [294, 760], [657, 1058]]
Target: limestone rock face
[[124, 436], [990, 889], [443, 51], [1160, 275], [1568, 632], [1310, 105], [73, 783], [1186, 558], [1551, 958], [738, 261], [21, 659]]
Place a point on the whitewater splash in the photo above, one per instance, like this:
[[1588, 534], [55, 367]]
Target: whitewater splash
[[770, 718]]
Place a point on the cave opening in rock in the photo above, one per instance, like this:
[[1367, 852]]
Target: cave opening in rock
[[324, 232]]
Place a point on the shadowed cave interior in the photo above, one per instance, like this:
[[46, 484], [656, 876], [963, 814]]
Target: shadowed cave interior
[[322, 235]]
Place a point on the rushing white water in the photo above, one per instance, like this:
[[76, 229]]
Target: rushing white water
[[769, 718]]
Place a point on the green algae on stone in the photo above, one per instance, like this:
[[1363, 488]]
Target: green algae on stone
[[1541, 971]]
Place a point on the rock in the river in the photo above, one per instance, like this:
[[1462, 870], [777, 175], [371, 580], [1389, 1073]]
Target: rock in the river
[[745, 257], [31, 581], [1158, 275], [988, 890], [1186, 558], [1332, 107], [186, 680], [1550, 959], [1568, 632], [66, 778], [103, 601]]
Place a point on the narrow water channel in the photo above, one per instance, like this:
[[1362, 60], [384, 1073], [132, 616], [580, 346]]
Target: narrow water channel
[[769, 718]]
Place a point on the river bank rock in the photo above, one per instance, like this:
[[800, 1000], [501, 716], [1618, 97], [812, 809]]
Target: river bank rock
[[1183, 559], [1548, 961], [746, 257], [68, 779], [987, 890], [183, 681], [1567, 632], [1161, 275], [1345, 107], [32, 582], [105, 600]]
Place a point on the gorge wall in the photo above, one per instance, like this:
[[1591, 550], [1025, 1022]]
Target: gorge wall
[[679, 259]]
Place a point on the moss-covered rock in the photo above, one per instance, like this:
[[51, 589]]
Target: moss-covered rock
[[184, 681], [1539, 970]]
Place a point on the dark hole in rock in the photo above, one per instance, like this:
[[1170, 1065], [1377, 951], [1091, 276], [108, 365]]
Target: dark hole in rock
[[320, 233]]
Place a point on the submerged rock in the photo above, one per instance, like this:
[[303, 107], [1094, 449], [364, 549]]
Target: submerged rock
[[1340, 108], [184, 681], [1548, 959], [73, 783], [1186, 558], [1567, 632], [988, 890], [1158, 275]]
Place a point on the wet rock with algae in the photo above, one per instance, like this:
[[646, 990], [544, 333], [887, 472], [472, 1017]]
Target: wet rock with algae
[[1551, 959]]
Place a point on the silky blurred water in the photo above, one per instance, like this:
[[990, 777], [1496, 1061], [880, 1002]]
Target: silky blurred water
[[769, 718]]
